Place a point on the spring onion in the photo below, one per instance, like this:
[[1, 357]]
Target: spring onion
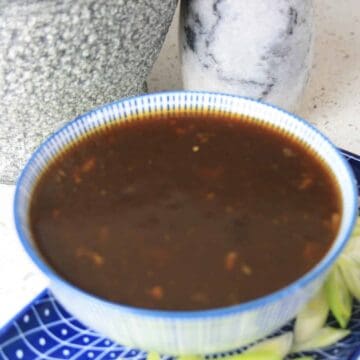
[[324, 337], [152, 355], [338, 296], [279, 345], [350, 269], [311, 318]]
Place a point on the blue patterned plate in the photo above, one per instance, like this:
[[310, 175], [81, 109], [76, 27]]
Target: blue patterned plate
[[46, 331]]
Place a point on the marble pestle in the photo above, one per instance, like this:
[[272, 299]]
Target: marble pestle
[[260, 48]]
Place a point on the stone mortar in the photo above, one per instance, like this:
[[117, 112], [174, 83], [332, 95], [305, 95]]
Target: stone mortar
[[61, 58]]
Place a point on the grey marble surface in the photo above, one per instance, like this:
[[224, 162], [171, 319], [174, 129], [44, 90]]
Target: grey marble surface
[[258, 48], [59, 59]]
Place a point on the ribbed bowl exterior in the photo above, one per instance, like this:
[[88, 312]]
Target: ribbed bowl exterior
[[196, 332], [183, 335]]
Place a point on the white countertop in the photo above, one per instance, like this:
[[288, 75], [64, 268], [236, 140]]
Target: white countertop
[[331, 102]]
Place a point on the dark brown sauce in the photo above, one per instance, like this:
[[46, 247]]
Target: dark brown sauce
[[185, 212]]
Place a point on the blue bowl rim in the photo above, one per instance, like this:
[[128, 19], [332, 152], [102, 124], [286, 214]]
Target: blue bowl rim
[[307, 278]]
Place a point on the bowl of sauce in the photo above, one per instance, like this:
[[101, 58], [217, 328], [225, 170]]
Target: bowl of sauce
[[185, 222]]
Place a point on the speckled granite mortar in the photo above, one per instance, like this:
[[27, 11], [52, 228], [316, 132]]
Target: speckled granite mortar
[[257, 48], [61, 58]]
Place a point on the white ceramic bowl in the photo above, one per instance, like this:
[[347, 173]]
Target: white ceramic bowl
[[184, 332]]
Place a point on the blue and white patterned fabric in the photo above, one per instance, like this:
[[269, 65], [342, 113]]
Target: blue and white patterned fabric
[[46, 331]]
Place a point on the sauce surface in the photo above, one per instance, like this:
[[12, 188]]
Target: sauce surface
[[185, 212]]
